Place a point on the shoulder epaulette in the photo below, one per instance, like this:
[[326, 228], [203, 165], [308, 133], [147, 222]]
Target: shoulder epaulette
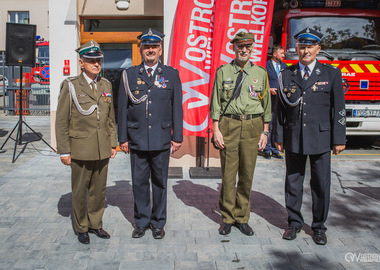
[[221, 66], [261, 67], [330, 66], [170, 67], [105, 79], [69, 79]]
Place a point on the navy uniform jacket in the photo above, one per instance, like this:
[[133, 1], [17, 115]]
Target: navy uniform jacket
[[273, 79], [318, 122], [152, 124]]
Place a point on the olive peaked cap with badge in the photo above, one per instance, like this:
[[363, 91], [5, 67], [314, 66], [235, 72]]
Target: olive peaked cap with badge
[[242, 36], [90, 49], [308, 37], [151, 37]]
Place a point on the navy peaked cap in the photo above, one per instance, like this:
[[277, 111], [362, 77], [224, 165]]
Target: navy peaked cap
[[308, 37], [151, 37]]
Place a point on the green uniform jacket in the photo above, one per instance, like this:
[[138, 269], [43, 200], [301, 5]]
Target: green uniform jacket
[[254, 97], [86, 137]]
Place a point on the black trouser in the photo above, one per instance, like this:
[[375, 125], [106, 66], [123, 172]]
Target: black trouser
[[154, 165], [320, 181]]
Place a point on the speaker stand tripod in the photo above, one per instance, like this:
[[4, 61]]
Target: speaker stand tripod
[[20, 122]]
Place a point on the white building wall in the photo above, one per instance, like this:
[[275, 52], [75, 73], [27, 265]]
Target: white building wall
[[63, 42], [170, 7]]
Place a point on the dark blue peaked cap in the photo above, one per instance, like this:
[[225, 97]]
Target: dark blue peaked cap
[[151, 37], [308, 37]]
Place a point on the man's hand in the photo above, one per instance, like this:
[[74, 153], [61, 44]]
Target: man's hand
[[338, 148], [66, 160], [273, 91], [280, 147], [218, 138], [113, 152], [124, 147], [263, 141], [175, 146]]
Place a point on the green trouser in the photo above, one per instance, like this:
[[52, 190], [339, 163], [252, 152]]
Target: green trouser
[[239, 155], [88, 183]]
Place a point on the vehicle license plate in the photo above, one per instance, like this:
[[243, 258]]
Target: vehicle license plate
[[366, 113]]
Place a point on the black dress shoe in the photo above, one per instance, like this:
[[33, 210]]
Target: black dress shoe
[[158, 233], [84, 238], [266, 155], [319, 237], [244, 228], [99, 233], [277, 155], [138, 232], [225, 228], [291, 233]]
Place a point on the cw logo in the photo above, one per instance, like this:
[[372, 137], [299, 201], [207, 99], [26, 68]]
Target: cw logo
[[352, 257]]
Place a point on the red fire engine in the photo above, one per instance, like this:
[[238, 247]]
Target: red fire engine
[[40, 73], [351, 42]]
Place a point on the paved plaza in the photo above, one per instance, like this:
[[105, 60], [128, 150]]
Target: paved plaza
[[36, 230]]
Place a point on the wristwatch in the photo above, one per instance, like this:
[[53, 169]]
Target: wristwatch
[[266, 133]]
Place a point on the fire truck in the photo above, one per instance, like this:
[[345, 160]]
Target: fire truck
[[351, 43], [39, 76]]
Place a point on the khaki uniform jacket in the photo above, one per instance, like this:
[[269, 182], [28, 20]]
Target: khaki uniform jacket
[[254, 97], [86, 137]]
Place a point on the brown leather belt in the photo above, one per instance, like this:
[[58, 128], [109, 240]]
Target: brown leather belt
[[242, 116]]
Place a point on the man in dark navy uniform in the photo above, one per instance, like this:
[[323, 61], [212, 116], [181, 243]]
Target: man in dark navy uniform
[[150, 128], [310, 122]]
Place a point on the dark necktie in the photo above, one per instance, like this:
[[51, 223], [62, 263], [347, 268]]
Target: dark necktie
[[93, 87], [306, 75], [238, 81], [150, 72]]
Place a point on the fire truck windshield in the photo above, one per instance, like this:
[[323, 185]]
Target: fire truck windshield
[[339, 33]]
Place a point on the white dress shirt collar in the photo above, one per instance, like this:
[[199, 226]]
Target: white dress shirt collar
[[311, 67]]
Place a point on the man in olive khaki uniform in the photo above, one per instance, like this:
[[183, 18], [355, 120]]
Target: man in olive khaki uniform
[[242, 131], [86, 139]]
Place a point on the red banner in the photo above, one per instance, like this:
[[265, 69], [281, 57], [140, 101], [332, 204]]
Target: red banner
[[193, 55], [233, 16]]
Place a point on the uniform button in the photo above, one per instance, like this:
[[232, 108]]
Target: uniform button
[[304, 113], [304, 125], [304, 92], [150, 102], [150, 114], [149, 91], [304, 103], [150, 126]]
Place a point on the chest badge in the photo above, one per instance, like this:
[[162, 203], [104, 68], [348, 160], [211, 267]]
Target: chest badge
[[314, 87], [137, 92]]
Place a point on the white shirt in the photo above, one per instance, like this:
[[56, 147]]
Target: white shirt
[[89, 80], [275, 66], [311, 67], [154, 67]]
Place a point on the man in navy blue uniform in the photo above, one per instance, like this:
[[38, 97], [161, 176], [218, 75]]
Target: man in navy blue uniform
[[274, 66], [150, 128], [310, 122]]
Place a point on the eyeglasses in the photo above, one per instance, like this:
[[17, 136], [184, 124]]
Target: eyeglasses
[[242, 46]]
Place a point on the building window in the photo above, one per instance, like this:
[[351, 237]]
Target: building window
[[19, 17]]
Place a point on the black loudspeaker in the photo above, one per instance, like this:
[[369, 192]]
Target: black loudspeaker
[[20, 45]]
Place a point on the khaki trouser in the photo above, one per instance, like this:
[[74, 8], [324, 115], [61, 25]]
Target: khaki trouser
[[239, 156], [88, 183]]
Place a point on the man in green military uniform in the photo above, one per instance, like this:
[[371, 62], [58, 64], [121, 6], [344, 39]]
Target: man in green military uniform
[[86, 139], [242, 130]]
